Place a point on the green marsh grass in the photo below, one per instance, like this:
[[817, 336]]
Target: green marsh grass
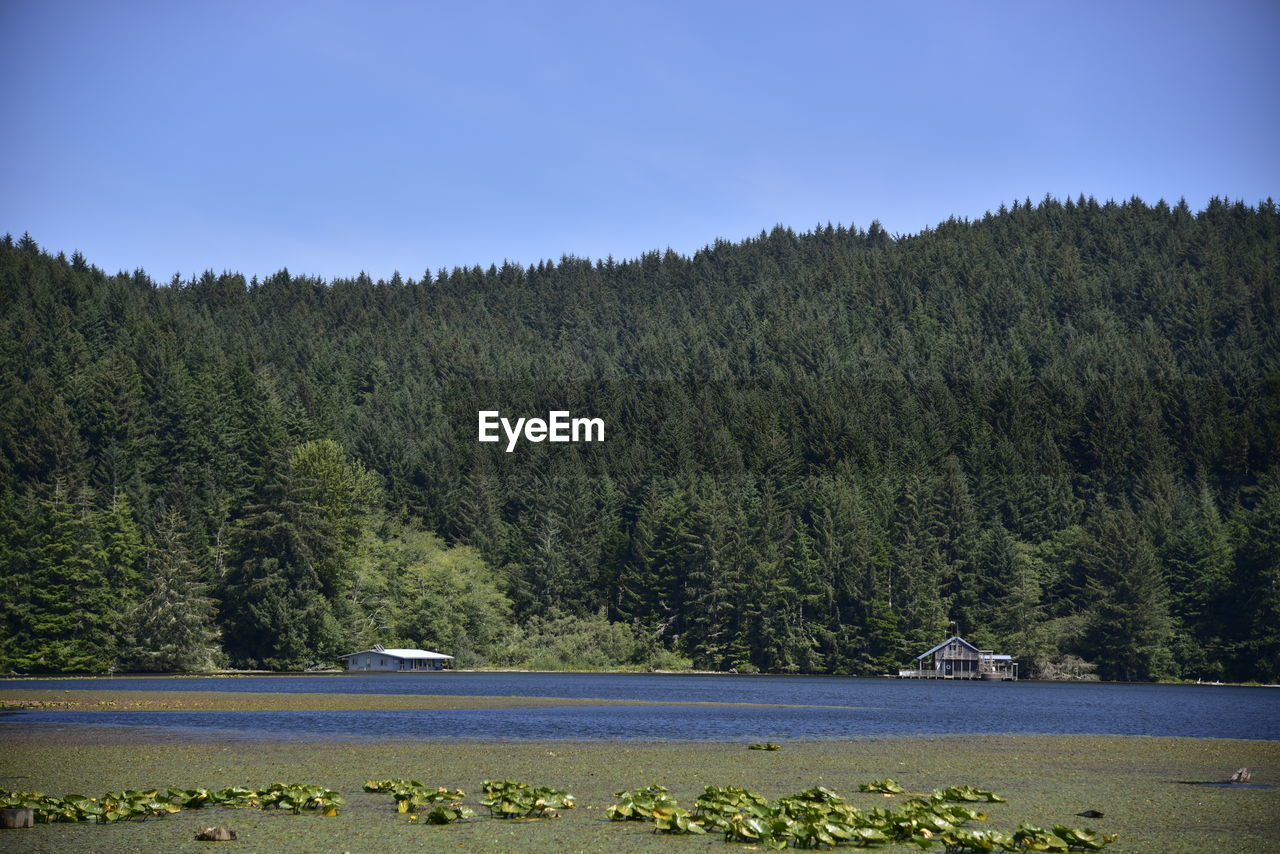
[[1046, 779]]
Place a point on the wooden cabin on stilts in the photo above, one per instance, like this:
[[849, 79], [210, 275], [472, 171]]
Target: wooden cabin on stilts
[[956, 658]]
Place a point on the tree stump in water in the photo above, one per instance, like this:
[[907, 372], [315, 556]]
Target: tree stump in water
[[18, 817], [1241, 776]]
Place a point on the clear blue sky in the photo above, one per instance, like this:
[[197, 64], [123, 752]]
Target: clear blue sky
[[338, 137]]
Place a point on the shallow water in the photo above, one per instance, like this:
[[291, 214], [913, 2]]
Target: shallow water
[[1229, 785], [812, 708]]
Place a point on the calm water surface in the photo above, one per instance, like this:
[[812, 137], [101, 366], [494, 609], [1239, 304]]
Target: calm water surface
[[802, 708]]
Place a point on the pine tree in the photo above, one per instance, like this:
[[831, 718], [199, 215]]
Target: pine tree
[[122, 546], [1021, 628], [15, 583], [887, 650], [919, 565], [1257, 592], [806, 604], [171, 628], [272, 606], [650, 582], [713, 589], [42, 441], [480, 522], [70, 612], [1129, 630], [1199, 559]]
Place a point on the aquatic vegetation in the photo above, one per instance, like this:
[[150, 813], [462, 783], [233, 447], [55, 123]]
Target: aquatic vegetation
[[391, 785], [6, 705], [236, 796], [1082, 840], [412, 795], [134, 804], [447, 814], [766, 745], [142, 804], [654, 803], [966, 841], [1027, 838], [674, 820], [966, 793], [47, 809], [511, 799], [640, 804], [819, 817], [816, 795], [297, 797], [191, 799], [232, 796], [113, 806], [717, 806]]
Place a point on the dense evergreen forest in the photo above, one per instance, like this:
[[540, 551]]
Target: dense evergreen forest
[[1057, 426]]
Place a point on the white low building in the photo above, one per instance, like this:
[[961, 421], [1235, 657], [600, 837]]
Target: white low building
[[381, 658]]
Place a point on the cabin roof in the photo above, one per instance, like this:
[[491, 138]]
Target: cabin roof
[[402, 653], [930, 652]]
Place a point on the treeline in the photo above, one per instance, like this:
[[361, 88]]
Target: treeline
[[1057, 427]]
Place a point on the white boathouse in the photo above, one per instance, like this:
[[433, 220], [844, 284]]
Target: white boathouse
[[397, 660]]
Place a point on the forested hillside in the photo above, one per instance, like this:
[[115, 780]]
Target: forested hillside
[[1057, 426]]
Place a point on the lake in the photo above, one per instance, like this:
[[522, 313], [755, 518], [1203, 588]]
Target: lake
[[797, 707]]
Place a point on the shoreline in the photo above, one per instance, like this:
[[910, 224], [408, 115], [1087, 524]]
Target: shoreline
[[12, 678]]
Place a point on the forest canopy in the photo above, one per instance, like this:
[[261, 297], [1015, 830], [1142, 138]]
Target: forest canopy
[[1055, 429]]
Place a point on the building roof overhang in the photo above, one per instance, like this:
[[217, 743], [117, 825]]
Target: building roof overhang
[[402, 653], [930, 652]]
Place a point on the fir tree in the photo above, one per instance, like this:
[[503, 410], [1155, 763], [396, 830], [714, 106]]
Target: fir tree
[[272, 607], [1257, 594], [171, 629], [70, 614], [1129, 630]]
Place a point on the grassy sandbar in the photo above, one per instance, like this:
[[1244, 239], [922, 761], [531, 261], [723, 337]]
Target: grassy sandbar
[[88, 700]]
